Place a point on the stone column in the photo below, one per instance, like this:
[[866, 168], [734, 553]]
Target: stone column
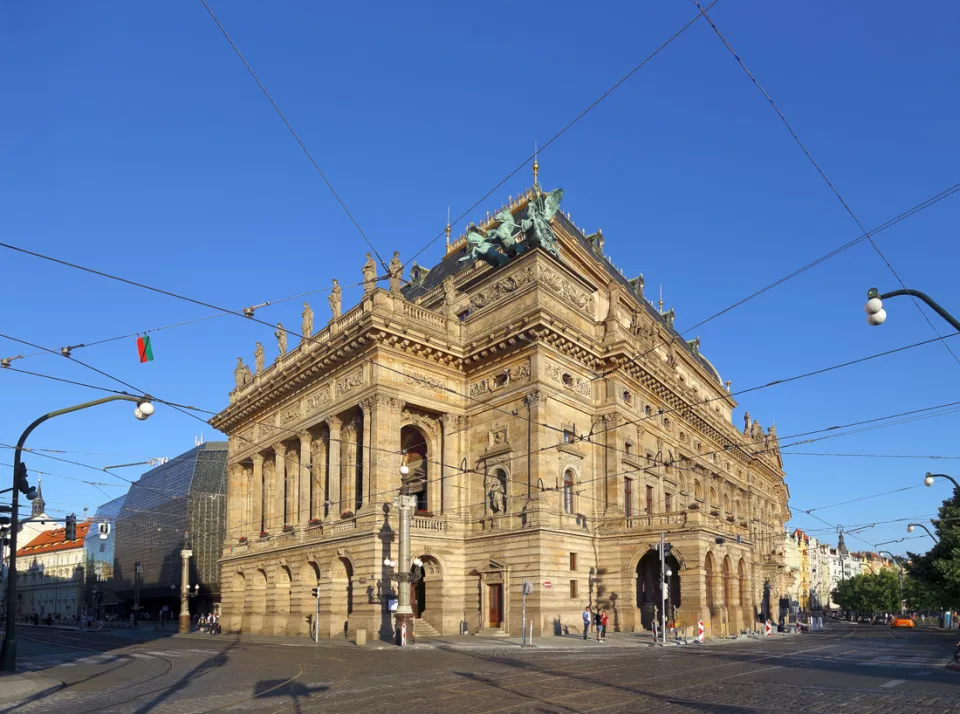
[[348, 465], [613, 496], [333, 469], [536, 402], [435, 471], [450, 463], [367, 456], [318, 483], [385, 433], [279, 481], [234, 502], [256, 496], [306, 470]]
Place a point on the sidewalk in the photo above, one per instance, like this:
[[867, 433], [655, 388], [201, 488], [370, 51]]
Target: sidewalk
[[25, 688]]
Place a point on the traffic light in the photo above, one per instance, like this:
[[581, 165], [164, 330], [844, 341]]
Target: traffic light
[[315, 592], [71, 527]]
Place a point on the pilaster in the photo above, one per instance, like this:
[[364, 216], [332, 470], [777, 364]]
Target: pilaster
[[256, 501], [279, 488], [307, 468], [334, 469]]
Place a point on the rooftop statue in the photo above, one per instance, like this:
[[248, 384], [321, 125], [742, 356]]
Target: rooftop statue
[[501, 244]]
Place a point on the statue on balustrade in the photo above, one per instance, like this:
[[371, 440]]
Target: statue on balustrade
[[281, 336], [306, 327], [242, 373], [335, 300], [369, 275], [258, 358], [396, 272]]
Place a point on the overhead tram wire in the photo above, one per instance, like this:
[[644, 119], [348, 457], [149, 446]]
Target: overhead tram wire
[[562, 131], [926, 203], [820, 171], [296, 136], [870, 456], [268, 303], [134, 283], [583, 438]]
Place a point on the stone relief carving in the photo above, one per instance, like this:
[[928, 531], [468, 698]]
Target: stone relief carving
[[496, 489], [565, 289], [319, 399], [577, 384], [499, 380], [498, 436], [291, 413], [350, 382], [501, 288]]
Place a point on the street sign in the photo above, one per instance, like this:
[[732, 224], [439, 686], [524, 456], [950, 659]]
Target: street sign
[[527, 587], [547, 585]]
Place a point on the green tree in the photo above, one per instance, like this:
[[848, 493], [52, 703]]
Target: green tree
[[869, 592], [935, 575]]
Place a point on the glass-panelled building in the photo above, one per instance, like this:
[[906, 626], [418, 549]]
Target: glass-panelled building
[[100, 596], [179, 503]]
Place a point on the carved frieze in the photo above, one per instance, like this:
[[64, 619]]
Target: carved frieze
[[565, 289], [319, 399], [577, 384], [514, 373], [290, 413], [498, 437], [350, 382], [502, 288], [416, 377]]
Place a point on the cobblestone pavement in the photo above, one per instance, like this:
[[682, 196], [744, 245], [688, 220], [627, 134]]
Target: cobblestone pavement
[[854, 669]]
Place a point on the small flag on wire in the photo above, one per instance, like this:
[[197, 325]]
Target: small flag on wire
[[145, 349]]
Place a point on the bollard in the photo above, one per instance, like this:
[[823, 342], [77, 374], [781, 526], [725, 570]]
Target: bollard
[[767, 629], [700, 631]]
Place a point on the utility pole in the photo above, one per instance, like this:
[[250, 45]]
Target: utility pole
[[664, 584]]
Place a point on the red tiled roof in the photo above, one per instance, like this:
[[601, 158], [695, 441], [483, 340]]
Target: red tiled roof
[[54, 540]]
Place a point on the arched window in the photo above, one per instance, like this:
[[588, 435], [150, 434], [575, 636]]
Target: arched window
[[568, 481], [415, 457], [713, 497], [726, 505], [708, 571], [697, 490]]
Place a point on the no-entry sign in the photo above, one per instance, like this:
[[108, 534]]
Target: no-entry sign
[[547, 585]]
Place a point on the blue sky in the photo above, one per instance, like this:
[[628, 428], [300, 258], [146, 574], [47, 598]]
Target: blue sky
[[134, 141]]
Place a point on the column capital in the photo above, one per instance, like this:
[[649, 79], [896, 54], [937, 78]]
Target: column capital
[[279, 449], [258, 459], [305, 438], [405, 501], [536, 398], [334, 422]]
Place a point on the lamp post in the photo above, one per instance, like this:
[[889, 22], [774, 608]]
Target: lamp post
[[912, 526], [899, 573], [405, 503], [8, 654], [929, 479], [876, 315]]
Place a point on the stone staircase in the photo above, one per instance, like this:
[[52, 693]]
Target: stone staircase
[[422, 628]]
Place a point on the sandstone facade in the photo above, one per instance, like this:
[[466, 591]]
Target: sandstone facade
[[557, 423]]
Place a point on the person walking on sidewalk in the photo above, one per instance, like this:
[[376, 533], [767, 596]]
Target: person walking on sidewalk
[[603, 626], [587, 616], [598, 624]]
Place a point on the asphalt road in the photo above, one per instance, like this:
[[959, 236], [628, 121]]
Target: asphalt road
[[849, 668]]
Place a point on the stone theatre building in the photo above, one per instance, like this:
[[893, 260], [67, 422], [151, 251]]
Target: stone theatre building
[[553, 423]]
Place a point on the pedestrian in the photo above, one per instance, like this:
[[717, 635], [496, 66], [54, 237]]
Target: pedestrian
[[586, 621], [598, 624], [603, 626]]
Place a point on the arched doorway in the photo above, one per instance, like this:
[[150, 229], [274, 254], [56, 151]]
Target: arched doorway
[[258, 601], [418, 590], [341, 602], [710, 583], [238, 603], [281, 599], [649, 587], [413, 442]]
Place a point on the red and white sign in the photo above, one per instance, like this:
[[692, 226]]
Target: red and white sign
[[700, 630], [547, 585], [403, 633], [767, 629]]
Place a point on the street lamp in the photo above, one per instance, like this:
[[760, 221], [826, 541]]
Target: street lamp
[[899, 573], [876, 314], [405, 503], [8, 653], [912, 526], [928, 480]]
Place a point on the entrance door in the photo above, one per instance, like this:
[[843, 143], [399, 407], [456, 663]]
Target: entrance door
[[495, 597]]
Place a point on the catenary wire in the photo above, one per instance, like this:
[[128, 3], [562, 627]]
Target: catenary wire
[[294, 133], [562, 131], [820, 171]]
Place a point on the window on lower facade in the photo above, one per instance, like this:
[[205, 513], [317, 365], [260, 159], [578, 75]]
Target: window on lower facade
[[573, 589]]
